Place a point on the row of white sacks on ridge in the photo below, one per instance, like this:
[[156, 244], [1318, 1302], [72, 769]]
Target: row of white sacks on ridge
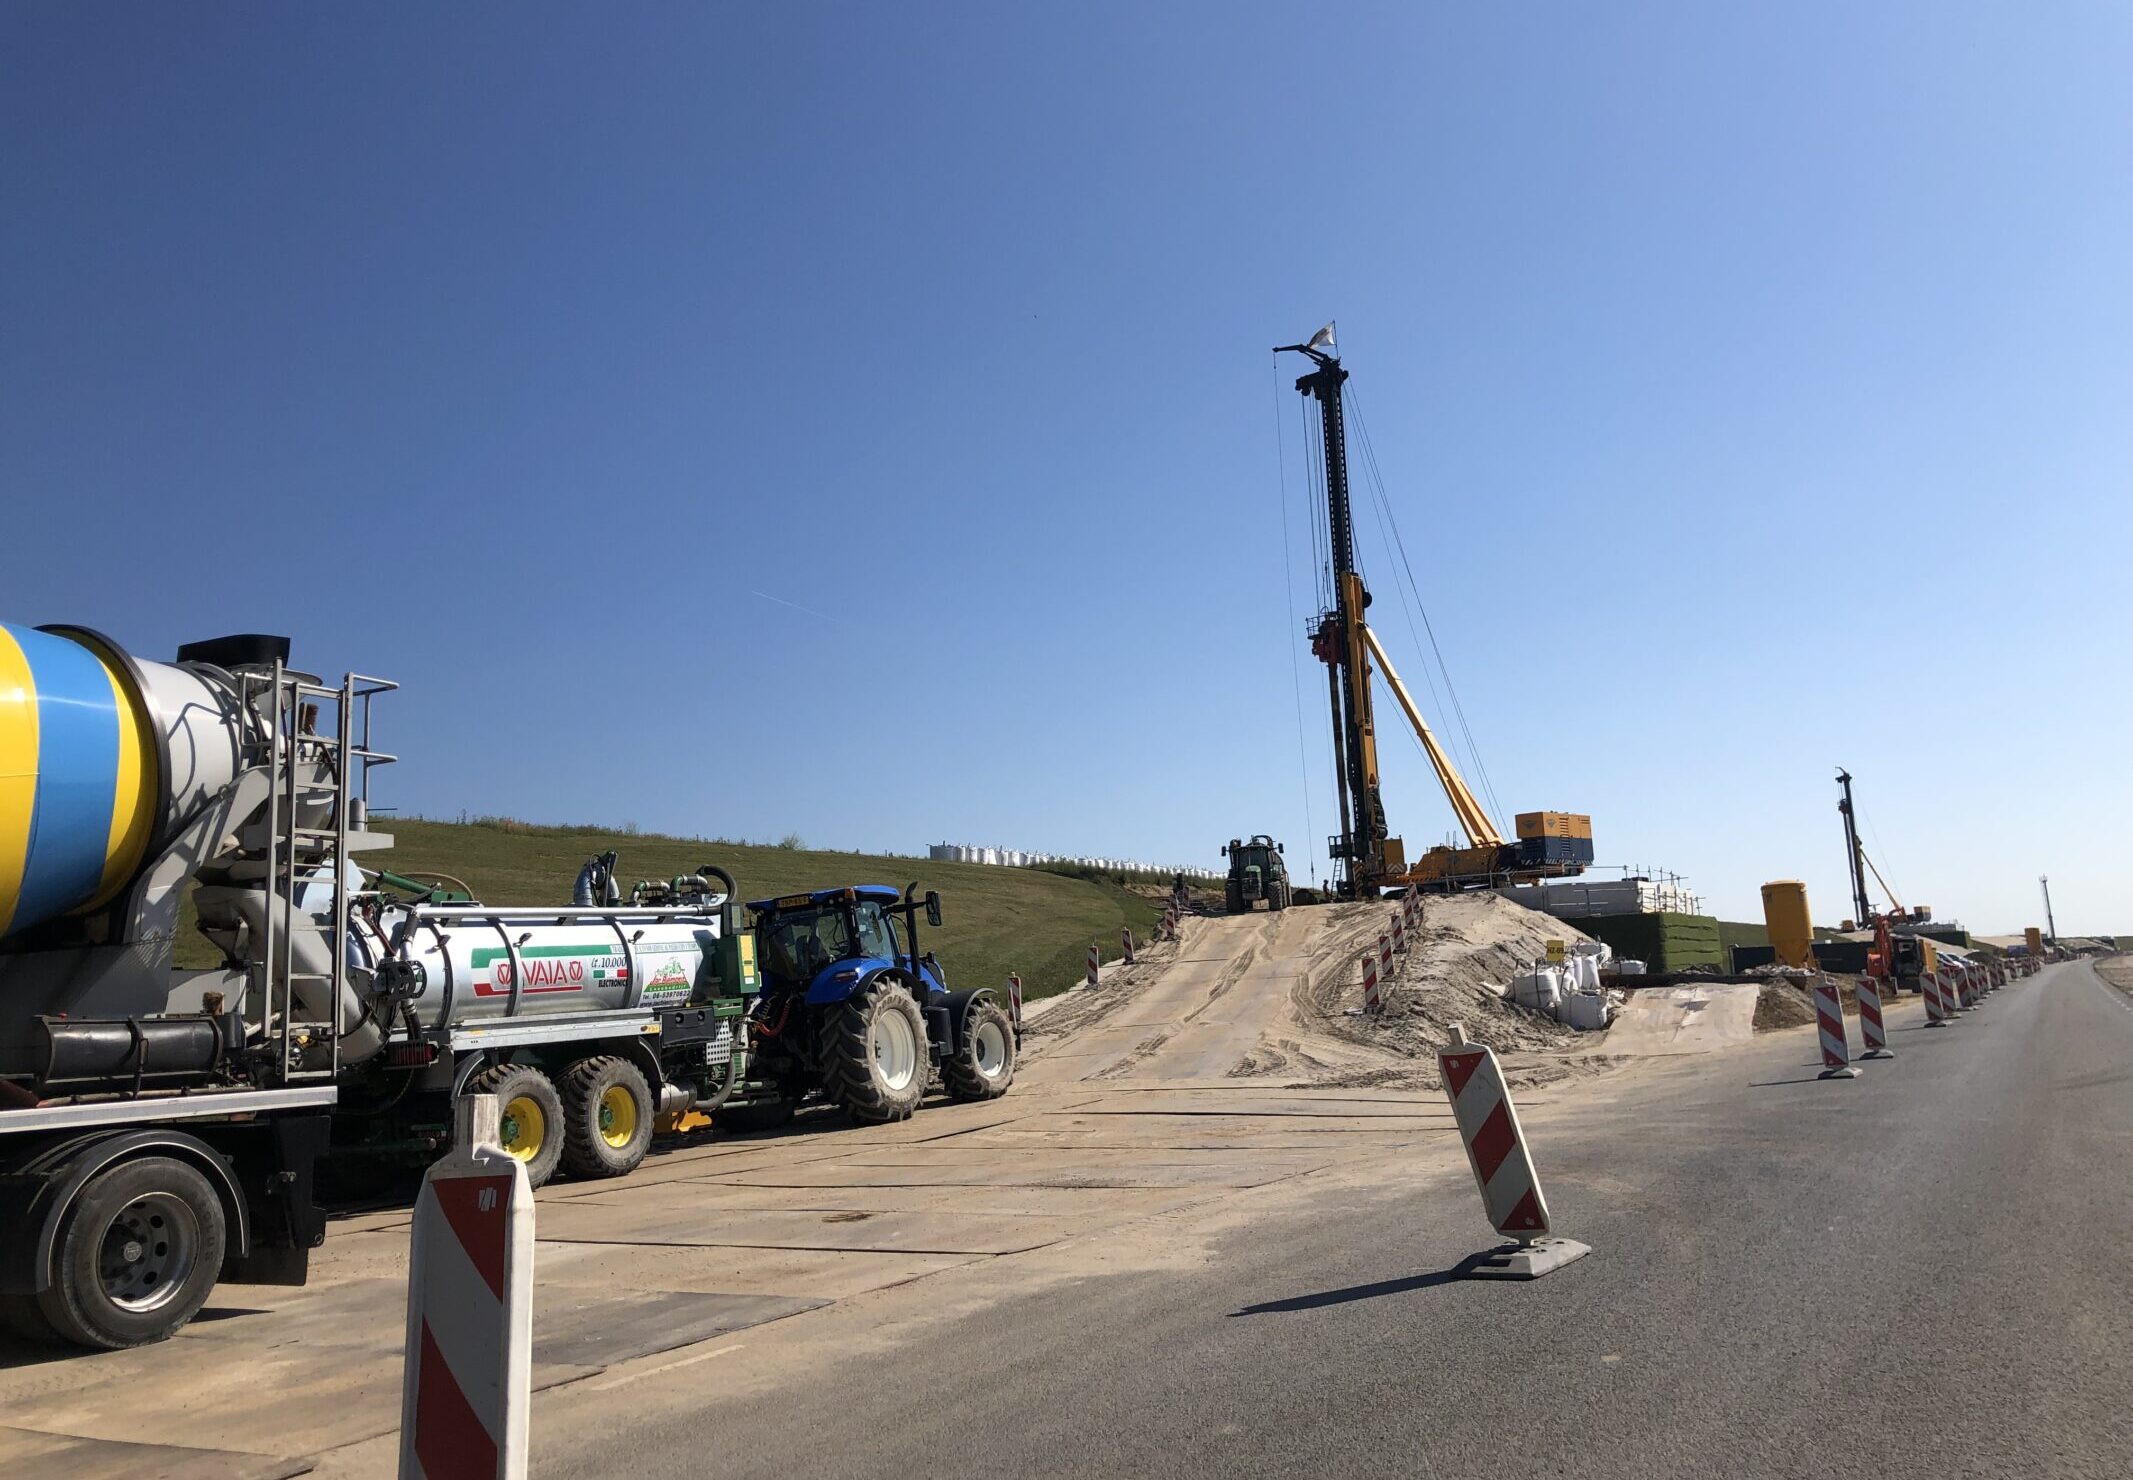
[[1571, 993]]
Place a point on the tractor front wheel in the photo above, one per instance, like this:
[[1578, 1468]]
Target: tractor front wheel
[[986, 1066], [873, 1054]]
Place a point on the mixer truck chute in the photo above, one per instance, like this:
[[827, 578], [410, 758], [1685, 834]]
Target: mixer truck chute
[[159, 1128]]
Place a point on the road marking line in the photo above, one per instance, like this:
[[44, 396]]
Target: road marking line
[[603, 1384]]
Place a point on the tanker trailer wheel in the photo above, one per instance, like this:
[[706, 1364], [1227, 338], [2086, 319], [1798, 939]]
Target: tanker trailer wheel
[[873, 1054], [986, 1066], [607, 1117], [137, 1256], [529, 1116]]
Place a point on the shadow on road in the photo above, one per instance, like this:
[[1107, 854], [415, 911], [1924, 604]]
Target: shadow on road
[[1462, 1270]]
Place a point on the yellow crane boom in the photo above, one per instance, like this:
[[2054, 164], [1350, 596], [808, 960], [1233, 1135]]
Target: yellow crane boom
[[1480, 831]]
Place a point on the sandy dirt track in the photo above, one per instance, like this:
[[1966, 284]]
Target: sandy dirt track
[[1219, 1073]]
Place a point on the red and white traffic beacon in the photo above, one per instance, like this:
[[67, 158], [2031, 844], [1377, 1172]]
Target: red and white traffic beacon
[[1503, 1170], [469, 1374]]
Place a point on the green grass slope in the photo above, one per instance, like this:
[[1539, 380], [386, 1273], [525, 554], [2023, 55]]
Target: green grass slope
[[993, 920]]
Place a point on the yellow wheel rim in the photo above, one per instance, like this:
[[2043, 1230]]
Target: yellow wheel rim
[[618, 1116], [524, 1128]]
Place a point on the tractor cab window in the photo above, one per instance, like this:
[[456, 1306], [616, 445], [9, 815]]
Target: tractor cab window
[[798, 945], [877, 937]]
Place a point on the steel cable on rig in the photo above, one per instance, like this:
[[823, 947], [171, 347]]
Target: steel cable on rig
[[1458, 710], [1887, 884], [1321, 536], [1288, 591]]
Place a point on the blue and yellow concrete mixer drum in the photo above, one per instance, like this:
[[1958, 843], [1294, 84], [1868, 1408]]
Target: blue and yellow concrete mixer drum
[[101, 756]]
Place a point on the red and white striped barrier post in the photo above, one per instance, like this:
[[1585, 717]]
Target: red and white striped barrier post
[[1934, 985], [1503, 1169], [1014, 1000], [465, 1389], [1094, 963], [1399, 932], [1371, 1001], [1829, 1023], [1872, 1031], [1125, 938], [1384, 953]]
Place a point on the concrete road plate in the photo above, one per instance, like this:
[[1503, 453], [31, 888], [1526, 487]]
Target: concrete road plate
[[68, 1457], [592, 1329]]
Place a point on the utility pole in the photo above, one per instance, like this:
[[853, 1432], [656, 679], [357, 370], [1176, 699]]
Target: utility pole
[[1854, 855], [2051, 930]]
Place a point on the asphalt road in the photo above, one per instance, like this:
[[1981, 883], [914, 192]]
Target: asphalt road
[[1927, 1271]]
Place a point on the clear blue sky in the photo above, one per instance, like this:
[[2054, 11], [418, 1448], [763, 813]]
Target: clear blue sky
[[1753, 385]]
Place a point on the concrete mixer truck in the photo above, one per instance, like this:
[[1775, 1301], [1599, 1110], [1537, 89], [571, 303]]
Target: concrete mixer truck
[[159, 1129]]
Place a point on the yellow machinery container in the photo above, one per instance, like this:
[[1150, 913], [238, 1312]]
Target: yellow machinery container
[[1442, 863], [1792, 931], [1554, 825], [1932, 955], [2035, 939]]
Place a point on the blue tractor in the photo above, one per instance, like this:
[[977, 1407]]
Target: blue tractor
[[852, 1011]]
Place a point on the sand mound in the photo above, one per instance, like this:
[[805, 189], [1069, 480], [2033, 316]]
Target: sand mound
[[1470, 947]]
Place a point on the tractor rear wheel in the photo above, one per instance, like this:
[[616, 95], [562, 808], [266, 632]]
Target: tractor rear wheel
[[873, 1054], [608, 1112], [529, 1116], [986, 1066]]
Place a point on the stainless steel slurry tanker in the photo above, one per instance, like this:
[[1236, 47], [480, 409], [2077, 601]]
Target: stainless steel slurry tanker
[[159, 1128]]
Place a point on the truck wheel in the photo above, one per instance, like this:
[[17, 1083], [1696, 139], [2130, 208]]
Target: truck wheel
[[873, 1054], [986, 1066], [1233, 901], [607, 1117], [529, 1115], [139, 1253]]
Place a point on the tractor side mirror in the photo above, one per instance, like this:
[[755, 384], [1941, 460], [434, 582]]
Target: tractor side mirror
[[1279, 849], [1225, 850], [933, 908]]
